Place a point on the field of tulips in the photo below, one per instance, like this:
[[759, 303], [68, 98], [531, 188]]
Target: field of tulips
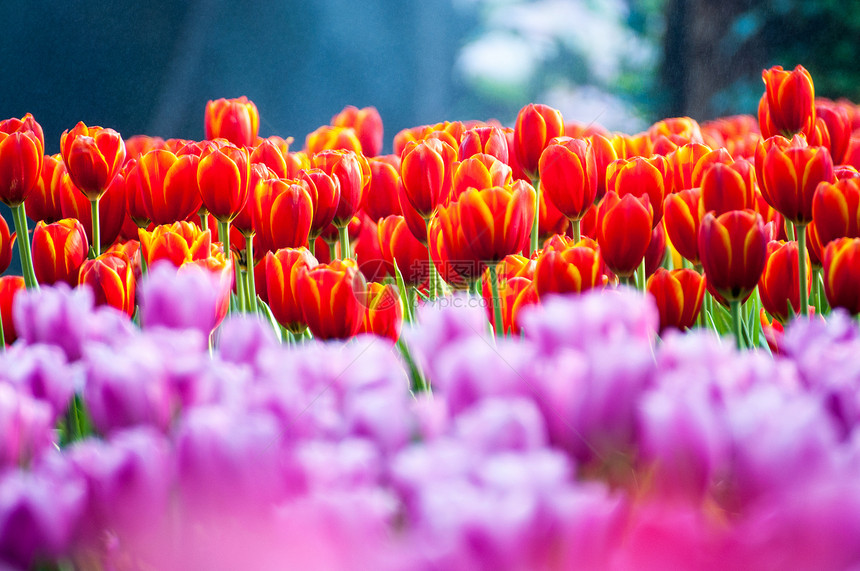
[[540, 347]]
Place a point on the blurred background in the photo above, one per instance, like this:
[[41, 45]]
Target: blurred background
[[150, 67]]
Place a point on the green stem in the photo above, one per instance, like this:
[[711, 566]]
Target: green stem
[[241, 299], [789, 231], [224, 237], [204, 219], [640, 276], [312, 246], [801, 268], [331, 252], [497, 302], [577, 232], [432, 274], [252, 285], [94, 214], [2, 337], [343, 234], [536, 222], [735, 306], [19, 217], [816, 293], [626, 280]]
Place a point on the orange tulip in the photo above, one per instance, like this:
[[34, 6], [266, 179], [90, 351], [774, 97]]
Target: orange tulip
[[728, 187], [282, 270], [479, 171], [733, 247], [327, 295], [93, 157], [383, 311], [59, 250], [353, 173], [640, 176], [168, 186], [10, 286], [682, 162], [452, 256], [536, 126], [678, 295], [841, 262], [111, 279], [286, 214], [236, 120], [576, 268], [497, 221], [367, 124], [270, 154], [180, 243], [327, 138]]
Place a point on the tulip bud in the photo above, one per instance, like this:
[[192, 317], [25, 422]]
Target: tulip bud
[[59, 250], [679, 295], [640, 176], [327, 295], [841, 263], [10, 286], [324, 191], [623, 232], [733, 250], [281, 281], [682, 222], [168, 186], [779, 284], [383, 311], [367, 124], [111, 279], [788, 104], [383, 198], [236, 120], [728, 187], [497, 221], [484, 140], [536, 126], [836, 210], [426, 169], [180, 243], [286, 214], [222, 177], [573, 269], [93, 157], [453, 257], [353, 174], [22, 148], [6, 241], [269, 154], [329, 138], [568, 176], [479, 171]]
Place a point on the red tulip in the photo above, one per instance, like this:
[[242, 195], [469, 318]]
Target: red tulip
[[568, 176], [236, 120], [399, 246], [93, 157], [246, 221], [324, 191], [733, 247], [22, 148], [59, 250], [368, 255], [728, 187], [282, 270], [453, 257], [841, 262], [111, 279], [367, 124], [10, 286], [837, 125], [788, 104], [6, 241], [426, 169], [788, 173], [222, 177], [383, 194], [656, 249], [497, 221], [353, 173], [138, 145], [383, 311], [73, 204], [779, 284], [286, 214], [327, 295], [640, 176], [168, 186], [604, 153], [536, 126], [484, 140], [43, 202], [679, 295], [836, 210], [269, 154], [624, 232]]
